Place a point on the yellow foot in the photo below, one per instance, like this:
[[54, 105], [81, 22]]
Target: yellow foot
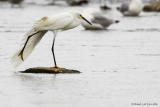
[[21, 55], [56, 67]]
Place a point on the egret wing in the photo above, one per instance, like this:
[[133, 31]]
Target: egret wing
[[32, 42], [55, 22]]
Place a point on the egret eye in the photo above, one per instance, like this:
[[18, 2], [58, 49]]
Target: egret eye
[[80, 16]]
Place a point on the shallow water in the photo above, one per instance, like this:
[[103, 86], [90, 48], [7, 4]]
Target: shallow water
[[119, 66]]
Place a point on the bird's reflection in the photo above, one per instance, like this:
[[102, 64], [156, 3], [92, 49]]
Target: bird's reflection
[[36, 83]]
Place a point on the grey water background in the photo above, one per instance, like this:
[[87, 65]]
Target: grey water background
[[119, 66]]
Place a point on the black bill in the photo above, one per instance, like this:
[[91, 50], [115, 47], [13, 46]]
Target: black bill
[[86, 20]]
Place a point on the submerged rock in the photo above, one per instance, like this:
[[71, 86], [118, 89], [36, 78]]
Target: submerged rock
[[154, 6], [49, 70]]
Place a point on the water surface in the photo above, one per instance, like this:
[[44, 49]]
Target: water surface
[[119, 66]]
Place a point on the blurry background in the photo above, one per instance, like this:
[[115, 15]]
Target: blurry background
[[120, 66], [66, 1]]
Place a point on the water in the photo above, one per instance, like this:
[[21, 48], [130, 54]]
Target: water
[[119, 66]]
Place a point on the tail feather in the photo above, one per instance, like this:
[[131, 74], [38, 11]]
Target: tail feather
[[32, 42], [16, 60]]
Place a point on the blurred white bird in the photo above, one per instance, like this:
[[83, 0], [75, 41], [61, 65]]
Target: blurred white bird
[[56, 23], [133, 8], [98, 20]]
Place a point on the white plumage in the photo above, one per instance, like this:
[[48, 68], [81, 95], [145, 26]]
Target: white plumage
[[16, 59], [56, 23]]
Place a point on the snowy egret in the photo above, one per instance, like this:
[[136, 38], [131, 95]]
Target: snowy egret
[[133, 8], [98, 20], [56, 23]]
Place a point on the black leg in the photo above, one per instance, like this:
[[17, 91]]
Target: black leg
[[53, 50], [21, 52]]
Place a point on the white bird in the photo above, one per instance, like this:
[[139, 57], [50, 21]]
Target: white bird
[[56, 23], [133, 8], [98, 20]]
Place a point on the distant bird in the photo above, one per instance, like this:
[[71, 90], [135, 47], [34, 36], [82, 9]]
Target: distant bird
[[16, 2], [56, 23], [76, 2], [133, 8], [99, 21], [103, 5]]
